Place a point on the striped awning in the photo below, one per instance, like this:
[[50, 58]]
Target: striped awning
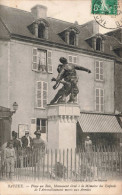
[[98, 123]]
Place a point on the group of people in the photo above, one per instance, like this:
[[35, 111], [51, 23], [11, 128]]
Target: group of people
[[12, 150], [27, 142]]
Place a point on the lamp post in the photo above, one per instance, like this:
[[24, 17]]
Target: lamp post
[[15, 107]]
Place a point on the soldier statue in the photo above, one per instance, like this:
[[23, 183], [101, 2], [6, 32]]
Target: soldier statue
[[68, 77]]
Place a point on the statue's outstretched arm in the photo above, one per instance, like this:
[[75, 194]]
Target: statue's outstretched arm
[[82, 68]]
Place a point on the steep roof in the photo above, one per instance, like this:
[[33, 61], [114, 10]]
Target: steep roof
[[117, 33], [16, 22], [3, 31]]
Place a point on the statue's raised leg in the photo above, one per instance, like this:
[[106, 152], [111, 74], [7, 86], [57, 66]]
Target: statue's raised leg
[[58, 96]]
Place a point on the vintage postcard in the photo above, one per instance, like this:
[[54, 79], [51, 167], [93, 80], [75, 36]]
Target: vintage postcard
[[60, 97]]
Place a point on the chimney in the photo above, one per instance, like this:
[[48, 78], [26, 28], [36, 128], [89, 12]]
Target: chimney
[[39, 11], [95, 27]]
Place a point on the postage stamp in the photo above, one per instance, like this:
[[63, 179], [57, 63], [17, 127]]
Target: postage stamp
[[105, 20], [105, 7]]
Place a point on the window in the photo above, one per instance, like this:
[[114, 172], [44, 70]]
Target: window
[[99, 94], [72, 38], [41, 31], [72, 59], [41, 94], [99, 70], [118, 51], [33, 127], [39, 124], [42, 65], [39, 28], [98, 44], [42, 61]]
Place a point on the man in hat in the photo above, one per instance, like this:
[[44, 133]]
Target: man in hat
[[16, 142], [67, 73], [9, 158], [27, 141]]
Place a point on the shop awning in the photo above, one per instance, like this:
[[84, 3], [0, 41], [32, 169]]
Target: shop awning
[[98, 123]]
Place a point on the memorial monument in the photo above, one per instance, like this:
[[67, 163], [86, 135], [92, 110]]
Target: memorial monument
[[62, 114]]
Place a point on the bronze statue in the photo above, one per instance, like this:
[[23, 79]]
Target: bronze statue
[[68, 77]]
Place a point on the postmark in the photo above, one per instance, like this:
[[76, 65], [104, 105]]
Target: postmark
[[106, 7], [108, 21]]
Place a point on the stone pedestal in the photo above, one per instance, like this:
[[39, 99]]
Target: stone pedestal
[[62, 120]]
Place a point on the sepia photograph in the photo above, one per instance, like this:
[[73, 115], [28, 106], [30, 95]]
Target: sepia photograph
[[60, 97]]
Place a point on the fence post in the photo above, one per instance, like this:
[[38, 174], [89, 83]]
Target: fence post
[[56, 163], [67, 163], [120, 161], [71, 163], [75, 174], [51, 163], [64, 164], [47, 151]]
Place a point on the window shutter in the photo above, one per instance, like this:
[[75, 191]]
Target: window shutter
[[39, 94], [102, 99], [75, 59], [44, 93], [101, 71], [33, 126], [49, 62], [99, 100], [34, 59], [70, 59], [97, 70]]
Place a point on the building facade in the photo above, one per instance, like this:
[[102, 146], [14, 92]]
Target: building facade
[[5, 125], [30, 47]]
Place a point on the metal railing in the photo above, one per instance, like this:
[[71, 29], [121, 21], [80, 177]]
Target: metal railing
[[101, 163]]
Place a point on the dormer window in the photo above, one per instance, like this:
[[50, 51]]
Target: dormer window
[[70, 35], [39, 28], [72, 38], [118, 51], [41, 31], [98, 44]]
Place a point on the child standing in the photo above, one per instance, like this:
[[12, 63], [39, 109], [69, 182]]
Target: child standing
[[9, 158]]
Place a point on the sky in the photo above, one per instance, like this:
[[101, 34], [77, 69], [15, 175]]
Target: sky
[[67, 10]]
